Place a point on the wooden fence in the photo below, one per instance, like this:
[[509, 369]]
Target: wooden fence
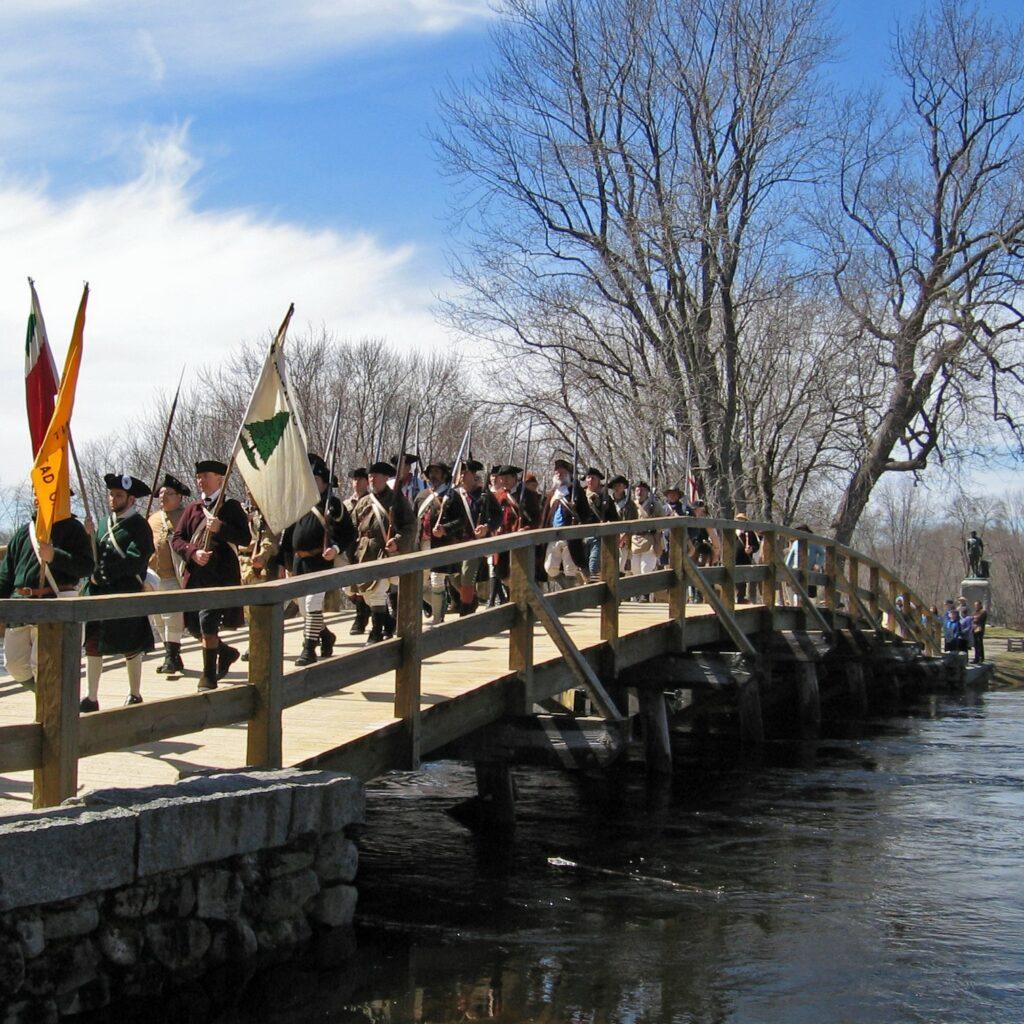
[[51, 746]]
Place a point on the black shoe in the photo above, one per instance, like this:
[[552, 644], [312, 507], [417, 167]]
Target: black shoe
[[245, 656], [389, 625], [167, 665], [308, 655], [361, 619], [86, 705], [133, 699], [226, 657], [327, 641], [208, 680], [377, 629], [206, 684], [177, 665]]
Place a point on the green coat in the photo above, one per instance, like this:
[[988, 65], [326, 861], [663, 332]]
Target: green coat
[[123, 557], [72, 558]]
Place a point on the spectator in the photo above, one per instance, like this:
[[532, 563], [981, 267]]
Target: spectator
[[966, 630], [979, 618], [747, 545], [815, 560], [951, 628]]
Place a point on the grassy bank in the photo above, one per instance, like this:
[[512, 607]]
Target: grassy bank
[[1009, 667]]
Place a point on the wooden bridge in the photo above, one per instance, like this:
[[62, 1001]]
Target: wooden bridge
[[430, 692]]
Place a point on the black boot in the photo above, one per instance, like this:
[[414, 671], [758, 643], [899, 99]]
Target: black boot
[[308, 655], [174, 657], [226, 657], [380, 618], [167, 665], [494, 592], [361, 619], [389, 625], [327, 639], [208, 680]]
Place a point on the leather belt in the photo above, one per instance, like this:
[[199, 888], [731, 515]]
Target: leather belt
[[315, 553], [40, 591]]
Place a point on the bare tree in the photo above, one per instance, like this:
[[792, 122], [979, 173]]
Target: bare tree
[[925, 241], [629, 170]]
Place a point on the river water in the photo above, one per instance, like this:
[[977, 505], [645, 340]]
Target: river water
[[875, 875]]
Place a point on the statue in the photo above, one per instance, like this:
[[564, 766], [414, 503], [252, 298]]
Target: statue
[[975, 550]]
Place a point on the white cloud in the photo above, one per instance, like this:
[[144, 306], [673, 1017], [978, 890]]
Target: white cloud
[[70, 60], [172, 284]]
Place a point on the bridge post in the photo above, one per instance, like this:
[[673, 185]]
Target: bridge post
[[728, 588], [769, 594], [520, 637], [894, 623], [875, 588], [610, 606], [831, 591], [263, 743], [407, 675], [654, 715], [857, 691], [808, 699], [58, 685], [677, 590], [803, 561]]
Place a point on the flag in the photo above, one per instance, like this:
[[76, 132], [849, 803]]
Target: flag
[[273, 458], [40, 374], [50, 476]]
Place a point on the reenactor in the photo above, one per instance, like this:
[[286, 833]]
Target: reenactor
[[360, 481], [124, 546], [563, 558], [501, 514], [599, 508], [65, 560], [645, 548], [618, 491], [385, 525], [311, 545], [207, 533], [167, 566], [444, 515]]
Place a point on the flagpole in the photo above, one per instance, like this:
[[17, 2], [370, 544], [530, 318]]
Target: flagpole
[[163, 444], [85, 493]]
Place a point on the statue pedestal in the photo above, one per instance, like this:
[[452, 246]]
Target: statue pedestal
[[976, 588]]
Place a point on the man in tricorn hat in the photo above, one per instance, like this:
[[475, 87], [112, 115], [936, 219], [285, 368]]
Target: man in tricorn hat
[[501, 513], [124, 546], [599, 508], [311, 545], [441, 518], [360, 480], [204, 538], [563, 558], [618, 492], [65, 559], [167, 566], [385, 524]]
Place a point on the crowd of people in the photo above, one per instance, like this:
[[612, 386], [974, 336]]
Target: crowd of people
[[391, 507], [963, 628]]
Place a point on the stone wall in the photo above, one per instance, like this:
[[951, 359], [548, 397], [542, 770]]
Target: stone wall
[[126, 893]]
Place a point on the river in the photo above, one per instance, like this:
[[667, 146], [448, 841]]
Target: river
[[873, 876]]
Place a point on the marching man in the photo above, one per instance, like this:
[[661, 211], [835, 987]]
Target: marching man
[[167, 565]]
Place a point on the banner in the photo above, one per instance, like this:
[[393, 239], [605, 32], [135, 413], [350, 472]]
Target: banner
[[273, 458], [50, 473], [40, 374]]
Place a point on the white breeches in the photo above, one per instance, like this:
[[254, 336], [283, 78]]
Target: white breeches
[[167, 628], [558, 561], [643, 562], [312, 603], [377, 595]]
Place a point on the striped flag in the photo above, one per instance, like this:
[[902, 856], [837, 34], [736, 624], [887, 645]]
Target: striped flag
[[50, 477], [40, 374]]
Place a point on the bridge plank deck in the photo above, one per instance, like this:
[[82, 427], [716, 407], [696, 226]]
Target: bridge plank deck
[[309, 729]]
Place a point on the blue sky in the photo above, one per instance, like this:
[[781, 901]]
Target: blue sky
[[204, 164]]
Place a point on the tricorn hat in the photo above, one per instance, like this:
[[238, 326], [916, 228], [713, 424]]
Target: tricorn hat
[[473, 465], [507, 470], [211, 466], [446, 469], [674, 487], [383, 467], [409, 459], [594, 472], [129, 484], [174, 484], [641, 483], [562, 464], [359, 473], [619, 479], [320, 469]]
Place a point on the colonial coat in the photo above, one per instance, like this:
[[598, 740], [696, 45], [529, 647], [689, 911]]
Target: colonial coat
[[72, 559], [124, 548], [313, 532], [222, 570]]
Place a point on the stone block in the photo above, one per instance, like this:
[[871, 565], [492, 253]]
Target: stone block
[[135, 901], [287, 862], [12, 967], [61, 854], [187, 831], [335, 907], [283, 934], [337, 860], [72, 919], [249, 869], [29, 930], [121, 942], [30, 1011], [178, 945], [325, 802], [65, 967], [233, 942], [287, 897], [218, 894]]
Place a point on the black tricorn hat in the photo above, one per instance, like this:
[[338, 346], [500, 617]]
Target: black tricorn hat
[[620, 479], [383, 467], [641, 483], [174, 484], [409, 459], [473, 465], [129, 484], [674, 487], [359, 473], [444, 467], [507, 470], [320, 469], [594, 472], [562, 464], [211, 466]]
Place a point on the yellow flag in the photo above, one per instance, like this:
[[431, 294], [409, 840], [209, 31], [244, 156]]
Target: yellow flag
[[50, 474]]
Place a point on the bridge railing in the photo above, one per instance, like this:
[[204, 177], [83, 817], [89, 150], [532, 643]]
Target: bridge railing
[[52, 745]]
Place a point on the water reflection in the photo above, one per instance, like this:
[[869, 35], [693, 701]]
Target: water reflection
[[874, 876]]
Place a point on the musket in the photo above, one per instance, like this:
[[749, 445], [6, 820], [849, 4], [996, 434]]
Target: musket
[[398, 477], [163, 444], [575, 465], [416, 447], [332, 459], [526, 459], [460, 456], [651, 466], [512, 446]]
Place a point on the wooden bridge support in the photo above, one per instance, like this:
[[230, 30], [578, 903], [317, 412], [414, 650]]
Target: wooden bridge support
[[496, 794], [654, 717], [856, 688]]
